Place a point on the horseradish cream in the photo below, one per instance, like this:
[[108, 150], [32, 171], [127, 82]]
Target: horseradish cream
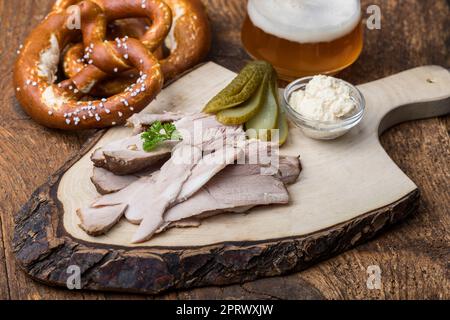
[[324, 99]]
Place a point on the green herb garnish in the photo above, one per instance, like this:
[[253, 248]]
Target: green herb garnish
[[158, 133]]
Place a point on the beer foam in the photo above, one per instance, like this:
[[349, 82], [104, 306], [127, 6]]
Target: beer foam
[[305, 21]]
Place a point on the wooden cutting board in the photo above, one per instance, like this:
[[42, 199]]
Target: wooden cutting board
[[349, 191]]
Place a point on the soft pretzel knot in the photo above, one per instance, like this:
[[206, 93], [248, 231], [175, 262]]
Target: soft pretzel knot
[[60, 105], [188, 43]]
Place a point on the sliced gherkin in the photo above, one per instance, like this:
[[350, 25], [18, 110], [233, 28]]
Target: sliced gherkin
[[245, 111], [266, 118], [283, 128], [240, 89]]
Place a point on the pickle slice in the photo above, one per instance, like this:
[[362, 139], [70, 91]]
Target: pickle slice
[[244, 112], [240, 89], [283, 128], [266, 118]]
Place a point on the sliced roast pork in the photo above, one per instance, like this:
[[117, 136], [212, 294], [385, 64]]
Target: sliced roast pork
[[139, 121], [186, 223], [127, 195], [126, 156], [206, 132], [231, 194], [238, 188], [183, 175], [98, 221], [199, 175], [192, 184], [289, 169], [186, 193], [155, 191], [107, 182]]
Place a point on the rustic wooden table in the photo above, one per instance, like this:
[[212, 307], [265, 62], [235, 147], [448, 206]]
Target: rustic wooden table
[[413, 257]]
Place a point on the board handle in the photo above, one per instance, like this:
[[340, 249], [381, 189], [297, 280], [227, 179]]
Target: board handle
[[417, 93]]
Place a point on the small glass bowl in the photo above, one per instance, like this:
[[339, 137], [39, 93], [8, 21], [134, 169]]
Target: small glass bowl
[[323, 130]]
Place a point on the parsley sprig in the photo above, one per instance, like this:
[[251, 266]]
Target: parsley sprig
[[158, 133]]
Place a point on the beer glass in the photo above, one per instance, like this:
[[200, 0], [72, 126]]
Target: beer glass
[[304, 37]]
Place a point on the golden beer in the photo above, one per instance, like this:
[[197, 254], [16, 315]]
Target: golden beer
[[298, 54]]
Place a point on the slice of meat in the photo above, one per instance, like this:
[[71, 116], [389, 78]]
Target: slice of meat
[[98, 221], [289, 169], [186, 223], [200, 174], [126, 156], [122, 144], [139, 121], [201, 205], [128, 195], [143, 194], [207, 168], [202, 129], [125, 162], [107, 182], [165, 191], [217, 138], [230, 192], [196, 221]]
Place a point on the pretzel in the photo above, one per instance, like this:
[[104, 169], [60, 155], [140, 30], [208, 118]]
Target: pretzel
[[188, 42], [60, 105], [135, 28]]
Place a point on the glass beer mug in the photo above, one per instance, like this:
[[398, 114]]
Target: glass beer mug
[[304, 37]]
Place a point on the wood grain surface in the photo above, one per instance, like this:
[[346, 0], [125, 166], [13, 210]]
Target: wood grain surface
[[413, 257]]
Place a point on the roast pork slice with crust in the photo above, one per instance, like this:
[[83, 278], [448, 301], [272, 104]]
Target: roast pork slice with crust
[[126, 156], [98, 221], [139, 121], [124, 162], [122, 144]]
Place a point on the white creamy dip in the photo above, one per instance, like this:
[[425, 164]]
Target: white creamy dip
[[324, 99]]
